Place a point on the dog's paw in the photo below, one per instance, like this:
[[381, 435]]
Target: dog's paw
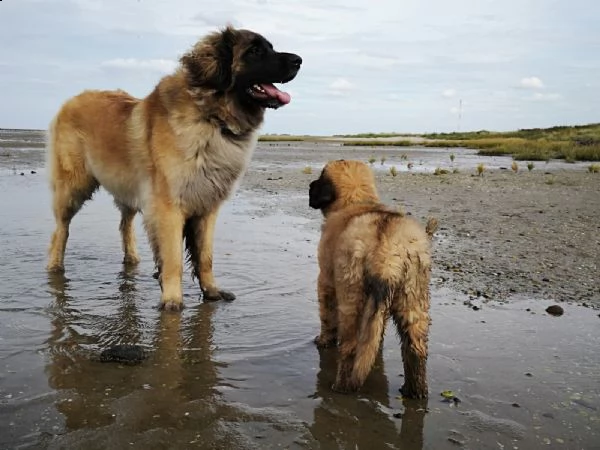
[[323, 342], [217, 295], [131, 260], [171, 306]]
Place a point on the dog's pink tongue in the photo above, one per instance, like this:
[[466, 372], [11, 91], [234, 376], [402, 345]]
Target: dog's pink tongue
[[272, 91]]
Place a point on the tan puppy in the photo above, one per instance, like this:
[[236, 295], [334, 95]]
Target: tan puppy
[[374, 262], [174, 155]]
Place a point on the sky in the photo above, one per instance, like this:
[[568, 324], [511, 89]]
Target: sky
[[407, 66]]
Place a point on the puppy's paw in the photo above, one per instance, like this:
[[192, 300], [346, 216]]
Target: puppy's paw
[[343, 387], [324, 342], [413, 392], [171, 306], [215, 295]]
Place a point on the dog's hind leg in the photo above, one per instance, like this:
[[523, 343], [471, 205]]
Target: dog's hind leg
[[71, 186], [128, 241], [327, 312], [410, 311]]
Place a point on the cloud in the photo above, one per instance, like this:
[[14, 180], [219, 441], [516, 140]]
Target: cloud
[[341, 86], [155, 65], [532, 83], [546, 97], [449, 93]]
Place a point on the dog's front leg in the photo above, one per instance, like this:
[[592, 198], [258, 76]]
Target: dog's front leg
[[205, 238], [165, 226]]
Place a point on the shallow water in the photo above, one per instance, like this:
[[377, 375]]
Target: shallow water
[[246, 374], [421, 159]]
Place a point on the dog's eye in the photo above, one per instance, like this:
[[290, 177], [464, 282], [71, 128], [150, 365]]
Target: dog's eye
[[256, 50]]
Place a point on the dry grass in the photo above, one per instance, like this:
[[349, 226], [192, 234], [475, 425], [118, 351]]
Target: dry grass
[[393, 171], [307, 170], [594, 168]]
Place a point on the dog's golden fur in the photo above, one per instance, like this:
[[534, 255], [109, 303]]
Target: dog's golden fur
[[374, 263], [174, 155]]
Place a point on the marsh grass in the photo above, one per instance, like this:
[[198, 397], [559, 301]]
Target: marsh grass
[[393, 171], [281, 138], [375, 143], [372, 160], [514, 166], [307, 170], [440, 171], [480, 169], [383, 159], [577, 143], [594, 168], [530, 166]]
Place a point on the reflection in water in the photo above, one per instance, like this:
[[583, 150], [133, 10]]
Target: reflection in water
[[345, 421], [174, 386]]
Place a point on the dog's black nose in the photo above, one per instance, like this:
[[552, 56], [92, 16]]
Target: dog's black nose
[[295, 60]]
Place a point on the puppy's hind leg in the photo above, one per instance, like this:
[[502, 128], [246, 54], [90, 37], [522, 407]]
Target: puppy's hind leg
[[373, 299], [411, 316], [361, 317], [327, 312]]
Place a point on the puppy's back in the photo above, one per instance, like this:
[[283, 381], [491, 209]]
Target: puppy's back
[[384, 244]]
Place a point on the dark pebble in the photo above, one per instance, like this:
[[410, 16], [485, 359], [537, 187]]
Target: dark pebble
[[476, 308], [397, 415], [528, 310], [528, 374], [516, 405], [555, 310], [546, 279], [22, 173], [123, 353], [456, 400], [33, 171], [548, 415], [453, 440]]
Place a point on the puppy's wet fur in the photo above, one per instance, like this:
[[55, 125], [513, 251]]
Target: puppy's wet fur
[[374, 262]]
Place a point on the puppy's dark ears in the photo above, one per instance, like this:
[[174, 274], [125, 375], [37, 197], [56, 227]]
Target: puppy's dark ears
[[209, 63], [321, 193]]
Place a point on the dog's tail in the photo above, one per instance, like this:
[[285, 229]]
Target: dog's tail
[[378, 294]]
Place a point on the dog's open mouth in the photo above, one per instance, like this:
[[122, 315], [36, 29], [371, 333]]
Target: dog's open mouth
[[269, 95]]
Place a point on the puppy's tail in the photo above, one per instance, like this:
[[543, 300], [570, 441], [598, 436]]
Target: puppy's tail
[[378, 294], [431, 227]]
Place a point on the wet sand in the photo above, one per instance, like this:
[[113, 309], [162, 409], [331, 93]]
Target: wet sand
[[246, 374]]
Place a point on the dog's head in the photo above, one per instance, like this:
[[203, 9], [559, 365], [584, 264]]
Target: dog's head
[[242, 63], [342, 183]]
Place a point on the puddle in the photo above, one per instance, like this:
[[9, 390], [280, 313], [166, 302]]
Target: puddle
[[246, 374]]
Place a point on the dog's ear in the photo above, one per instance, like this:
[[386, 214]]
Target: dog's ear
[[209, 63], [321, 193]]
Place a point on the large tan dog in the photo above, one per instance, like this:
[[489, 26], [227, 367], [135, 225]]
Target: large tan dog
[[374, 262], [174, 155]]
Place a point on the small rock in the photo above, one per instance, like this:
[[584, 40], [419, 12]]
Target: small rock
[[33, 171], [528, 374], [548, 415], [555, 310], [22, 173], [516, 405], [476, 308], [528, 310], [546, 279], [397, 415]]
